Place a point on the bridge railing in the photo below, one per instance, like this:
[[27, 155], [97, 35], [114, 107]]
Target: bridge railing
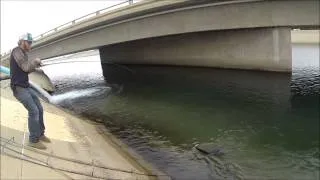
[[80, 19]]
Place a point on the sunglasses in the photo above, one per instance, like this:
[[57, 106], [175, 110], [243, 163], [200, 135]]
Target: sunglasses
[[29, 42]]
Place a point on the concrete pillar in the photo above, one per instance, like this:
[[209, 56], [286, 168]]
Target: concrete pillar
[[267, 49]]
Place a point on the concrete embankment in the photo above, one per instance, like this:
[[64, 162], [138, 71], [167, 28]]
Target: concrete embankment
[[80, 149]]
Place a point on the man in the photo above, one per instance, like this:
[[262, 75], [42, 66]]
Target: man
[[20, 67]]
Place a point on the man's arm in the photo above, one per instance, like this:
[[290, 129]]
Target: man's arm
[[23, 63]]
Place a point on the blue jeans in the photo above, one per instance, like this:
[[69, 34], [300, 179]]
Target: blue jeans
[[29, 99]]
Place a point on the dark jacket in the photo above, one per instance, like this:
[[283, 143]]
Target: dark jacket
[[20, 67]]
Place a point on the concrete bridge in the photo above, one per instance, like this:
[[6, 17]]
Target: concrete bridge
[[241, 34]]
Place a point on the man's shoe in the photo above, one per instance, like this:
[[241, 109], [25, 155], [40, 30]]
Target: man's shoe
[[37, 145], [45, 139]]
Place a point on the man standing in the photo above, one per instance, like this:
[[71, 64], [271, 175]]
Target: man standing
[[20, 67]]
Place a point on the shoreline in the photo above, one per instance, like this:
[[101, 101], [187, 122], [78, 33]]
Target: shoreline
[[68, 129], [125, 150]]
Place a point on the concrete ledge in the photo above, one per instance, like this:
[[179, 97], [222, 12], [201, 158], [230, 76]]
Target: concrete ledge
[[305, 36], [267, 49]]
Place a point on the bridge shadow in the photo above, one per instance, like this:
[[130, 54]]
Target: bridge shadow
[[197, 102]]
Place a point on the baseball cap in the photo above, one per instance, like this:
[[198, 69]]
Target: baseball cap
[[26, 37]]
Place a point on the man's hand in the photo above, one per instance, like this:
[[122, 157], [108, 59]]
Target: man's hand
[[38, 61], [39, 70]]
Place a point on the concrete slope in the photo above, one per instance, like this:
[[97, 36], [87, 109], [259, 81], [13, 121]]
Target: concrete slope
[[79, 149]]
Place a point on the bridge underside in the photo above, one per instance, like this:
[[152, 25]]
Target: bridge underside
[[266, 49]]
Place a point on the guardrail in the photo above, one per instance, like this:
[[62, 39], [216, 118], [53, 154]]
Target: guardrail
[[80, 19]]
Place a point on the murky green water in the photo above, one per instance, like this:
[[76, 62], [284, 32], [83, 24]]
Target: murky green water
[[266, 123]]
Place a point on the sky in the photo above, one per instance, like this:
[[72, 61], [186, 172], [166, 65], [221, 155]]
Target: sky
[[39, 16]]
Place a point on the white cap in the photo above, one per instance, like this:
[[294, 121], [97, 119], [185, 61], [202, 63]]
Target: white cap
[[26, 37]]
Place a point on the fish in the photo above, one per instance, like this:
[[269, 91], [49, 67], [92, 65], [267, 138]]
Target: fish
[[44, 94], [42, 80], [37, 77], [209, 148]]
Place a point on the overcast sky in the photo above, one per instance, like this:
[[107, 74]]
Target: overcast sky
[[36, 17]]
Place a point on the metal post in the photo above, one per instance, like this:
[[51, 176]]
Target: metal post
[[130, 2]]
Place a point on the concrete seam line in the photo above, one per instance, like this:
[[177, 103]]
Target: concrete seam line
[[44, 165], [22, 149], [78, 161]]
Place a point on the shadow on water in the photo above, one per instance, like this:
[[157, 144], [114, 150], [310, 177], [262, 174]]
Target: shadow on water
[[201, 97]]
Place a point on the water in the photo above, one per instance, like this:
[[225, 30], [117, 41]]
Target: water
[[266, 123]]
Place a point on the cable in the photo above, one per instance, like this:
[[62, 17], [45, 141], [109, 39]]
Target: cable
[[46, 164], [62, 62], [75, 61]]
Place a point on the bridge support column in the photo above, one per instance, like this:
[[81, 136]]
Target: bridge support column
[[267, 49]]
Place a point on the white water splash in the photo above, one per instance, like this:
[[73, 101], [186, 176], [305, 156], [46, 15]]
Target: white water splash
[[78, 93]]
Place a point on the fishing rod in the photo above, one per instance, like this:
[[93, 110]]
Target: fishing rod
[[47, 63]]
